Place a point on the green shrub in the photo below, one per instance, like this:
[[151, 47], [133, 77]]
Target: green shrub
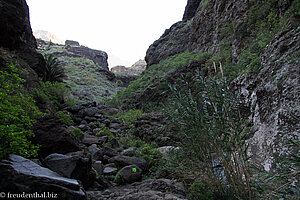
[[17, 113], [146, 151], [200, 191], [78, 133], [53, 92], [64, 118]]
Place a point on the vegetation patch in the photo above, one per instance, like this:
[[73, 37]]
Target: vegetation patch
[[78, 133], [64, 118], [153, 82], [17, 114]]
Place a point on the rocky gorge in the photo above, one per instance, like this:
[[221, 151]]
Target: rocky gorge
[[215, 114]]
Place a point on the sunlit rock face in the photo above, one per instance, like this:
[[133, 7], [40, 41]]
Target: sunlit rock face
[[47, 36]]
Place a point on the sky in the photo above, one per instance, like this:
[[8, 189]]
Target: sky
[[122, 28]]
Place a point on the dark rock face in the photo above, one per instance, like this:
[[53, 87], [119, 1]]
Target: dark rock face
[[53, 137], [20, 175], [97, 56], [200, 29], [16, 33], [15, 28], [191, 9], [175, 40]]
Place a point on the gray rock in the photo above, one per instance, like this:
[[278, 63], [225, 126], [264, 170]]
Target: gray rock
[[98, 166], [71, 166], [96, 152], [90, 139], [92, 125], [115, 125], [20, 175], [126, 160], [110, 170], [130, 173], [128, 152], [109, 151], [114, 143], [90, 112]]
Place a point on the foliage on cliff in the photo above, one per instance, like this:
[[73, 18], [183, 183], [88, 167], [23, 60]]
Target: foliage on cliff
[[17, 114]]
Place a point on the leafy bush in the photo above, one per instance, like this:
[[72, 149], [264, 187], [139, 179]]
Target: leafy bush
[[146, 151], [77, 132], [64, 118], [17, 113], [54, 71], [212, 135], [54, 92]]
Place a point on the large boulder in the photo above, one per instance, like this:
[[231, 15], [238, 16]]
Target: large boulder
[[129, 174], [75, 167], [53, 137], [126, 160], [20, 175]]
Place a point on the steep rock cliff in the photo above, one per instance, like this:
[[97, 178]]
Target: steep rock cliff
[[258, 42], [16, 35]]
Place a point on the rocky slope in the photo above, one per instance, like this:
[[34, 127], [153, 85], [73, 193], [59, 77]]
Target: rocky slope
[[87, 70]]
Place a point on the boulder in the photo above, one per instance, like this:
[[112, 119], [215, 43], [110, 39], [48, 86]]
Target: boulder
[[71, 167], [109, 110], [126, 160], [109, 151], [97, 154], [20, 175], [90, 139], [110, 170], [128, 152], [130, 174], [53, 137], [98, 166], [90, 112]]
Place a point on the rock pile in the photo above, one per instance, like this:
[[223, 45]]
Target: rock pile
[[69, 166]]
